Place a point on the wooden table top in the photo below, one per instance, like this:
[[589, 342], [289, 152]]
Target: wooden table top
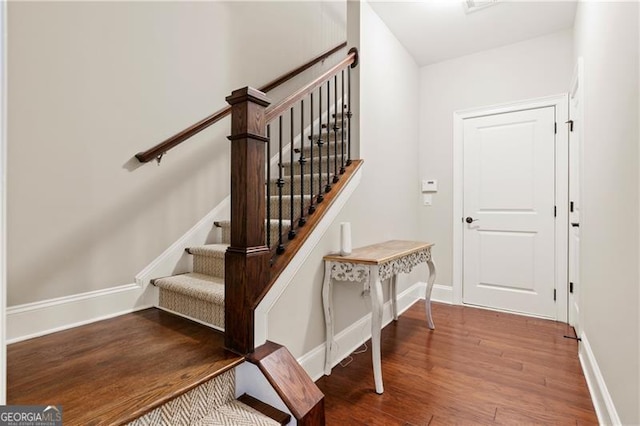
[[377, 254]]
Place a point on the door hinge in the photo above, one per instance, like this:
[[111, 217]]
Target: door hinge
[[570, 287], [571, 206], [570, 123], [555, 128], [555, 211], [554, 294]]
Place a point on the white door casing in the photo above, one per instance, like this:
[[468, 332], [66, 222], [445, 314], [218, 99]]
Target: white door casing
[[3, 198], [575, 166], [509, 253], [559, 250]]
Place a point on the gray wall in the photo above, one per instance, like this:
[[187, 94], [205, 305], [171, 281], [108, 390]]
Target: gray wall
[[91, 84], [530, 69], [606, 35], [383, 206]]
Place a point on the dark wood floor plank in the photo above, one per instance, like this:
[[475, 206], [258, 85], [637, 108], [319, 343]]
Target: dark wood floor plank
[[115, 370], [476, 367]]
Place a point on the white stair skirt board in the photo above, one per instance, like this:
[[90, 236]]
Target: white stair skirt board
[[262, 311], [602, 401], [175, 260], [359, 332], [49, 316], [250, 380]]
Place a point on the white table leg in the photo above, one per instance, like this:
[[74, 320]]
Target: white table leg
[[394, 297], [327, 302], [376, 326], [427, 296]]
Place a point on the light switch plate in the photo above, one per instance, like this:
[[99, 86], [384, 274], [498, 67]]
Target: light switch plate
[[429, 185], [427, 199]]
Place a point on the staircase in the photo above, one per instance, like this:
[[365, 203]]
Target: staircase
[[155, 367], [212, 403], [199, 295]]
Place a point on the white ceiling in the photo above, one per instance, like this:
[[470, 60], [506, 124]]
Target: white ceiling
[[437, 30]]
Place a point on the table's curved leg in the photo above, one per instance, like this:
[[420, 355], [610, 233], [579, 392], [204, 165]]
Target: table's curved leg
[[327, 302], [427, 296], [394, 297], [376, 327]]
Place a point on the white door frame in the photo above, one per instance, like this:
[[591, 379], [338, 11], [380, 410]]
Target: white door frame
[[561, 104], [3, 204], [577, 89]]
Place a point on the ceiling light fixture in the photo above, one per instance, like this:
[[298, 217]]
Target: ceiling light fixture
[[471, 6]]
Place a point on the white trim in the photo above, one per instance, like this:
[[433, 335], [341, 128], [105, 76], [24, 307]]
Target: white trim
[[577, 89], [560, 103], [351, 338], [441, 293], [600, 396], [175, 260], [3, 202], [49, 316], [262, 311]]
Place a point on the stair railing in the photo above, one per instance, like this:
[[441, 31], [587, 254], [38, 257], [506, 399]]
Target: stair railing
[[253, 126], [158, 151]]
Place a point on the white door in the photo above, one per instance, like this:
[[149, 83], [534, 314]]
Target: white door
[[575, 149], [509, 193]]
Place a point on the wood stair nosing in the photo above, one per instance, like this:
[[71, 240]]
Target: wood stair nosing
[[268, 410]]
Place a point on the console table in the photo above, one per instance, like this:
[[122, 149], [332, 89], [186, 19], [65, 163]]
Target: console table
[[370, 266]]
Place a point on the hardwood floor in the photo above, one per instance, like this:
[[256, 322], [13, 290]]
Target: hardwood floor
[[476, 367], [113, 371]]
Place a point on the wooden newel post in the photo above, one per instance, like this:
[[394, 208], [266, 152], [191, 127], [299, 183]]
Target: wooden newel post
[[247, 258]]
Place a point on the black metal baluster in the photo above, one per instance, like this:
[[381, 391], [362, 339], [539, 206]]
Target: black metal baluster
[[280, 249], [312, 207], [302, 161], [335, 129], [348, 116], [327, 187], [320, 143], [269, 186], [342, 170], [292, 232]]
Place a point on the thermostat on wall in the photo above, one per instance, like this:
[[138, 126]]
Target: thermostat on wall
[[430, 185]]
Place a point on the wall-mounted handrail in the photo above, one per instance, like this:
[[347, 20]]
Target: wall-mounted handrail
[[276, 110], [175, 140]]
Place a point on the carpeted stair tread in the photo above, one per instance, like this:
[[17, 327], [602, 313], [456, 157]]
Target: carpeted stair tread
[[209, 250], [235, 413], [286, 167], [199, 286], [274, 222]]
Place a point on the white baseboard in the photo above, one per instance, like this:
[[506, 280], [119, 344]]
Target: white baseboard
[[356, 334], [441, 293], [262, 311], [48, 316], [602, 401]]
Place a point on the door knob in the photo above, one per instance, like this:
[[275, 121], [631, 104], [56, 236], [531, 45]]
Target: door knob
[[469, 219]]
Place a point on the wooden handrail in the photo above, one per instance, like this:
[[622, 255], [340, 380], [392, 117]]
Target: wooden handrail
[[276, 110], [175, 140]]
